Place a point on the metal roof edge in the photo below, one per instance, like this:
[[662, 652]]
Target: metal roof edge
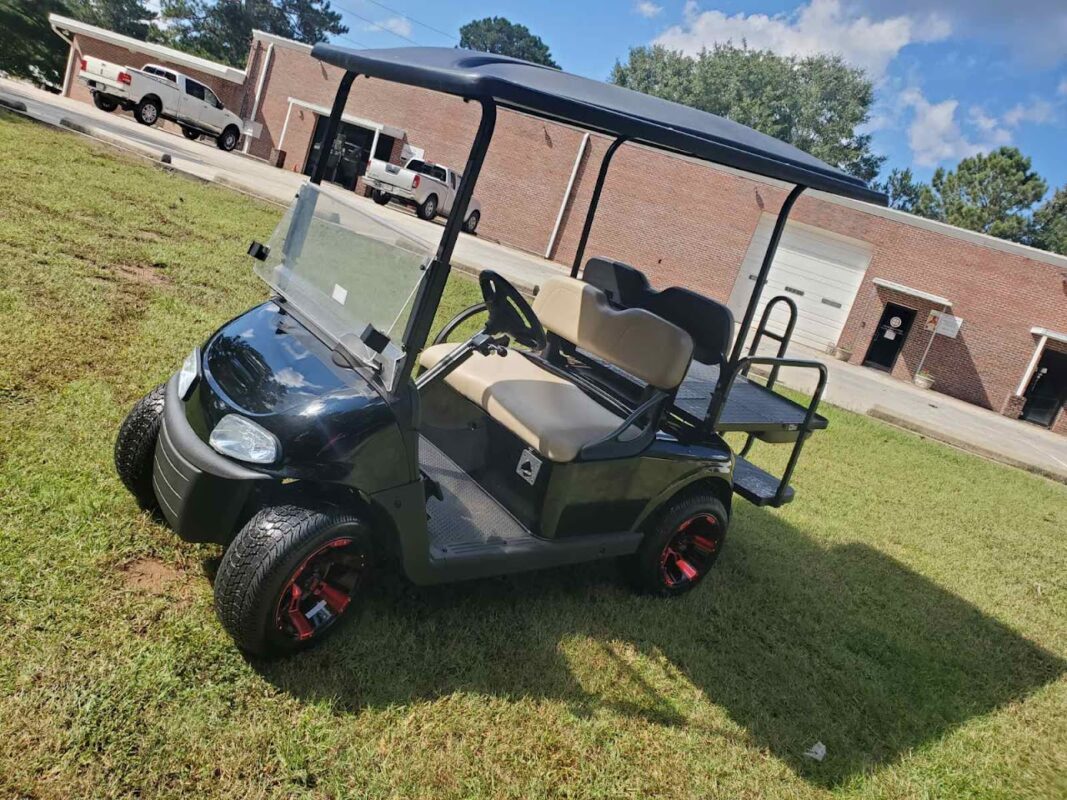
[[223, 71], [280, 41]]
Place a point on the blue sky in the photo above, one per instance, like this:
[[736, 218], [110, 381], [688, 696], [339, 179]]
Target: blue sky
[[952, 77]]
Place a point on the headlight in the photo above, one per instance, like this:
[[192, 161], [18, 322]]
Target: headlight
[[241, 438], [187, 375]]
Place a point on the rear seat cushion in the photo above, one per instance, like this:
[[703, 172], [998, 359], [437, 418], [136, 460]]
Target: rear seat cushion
[[549, 413], [645, 345]]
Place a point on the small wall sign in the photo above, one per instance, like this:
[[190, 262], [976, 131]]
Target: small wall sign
[[944, 324]]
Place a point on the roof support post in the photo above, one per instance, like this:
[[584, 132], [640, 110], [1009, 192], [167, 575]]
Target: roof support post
[[764, 271], [332, 124], [428, 296], [594, 201]]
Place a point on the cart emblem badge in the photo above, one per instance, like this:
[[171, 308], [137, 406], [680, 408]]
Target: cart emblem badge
[[529, 466]]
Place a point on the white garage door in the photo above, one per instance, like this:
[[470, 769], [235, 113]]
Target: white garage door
[[820, 271]]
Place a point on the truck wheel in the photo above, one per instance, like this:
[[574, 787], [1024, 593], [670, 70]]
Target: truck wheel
[[680, 547], [135, 447], [147, 111], [471, 225], [190, 134], [227, 140], [380, 197], [290, 576], [104, 103], [428, 209]]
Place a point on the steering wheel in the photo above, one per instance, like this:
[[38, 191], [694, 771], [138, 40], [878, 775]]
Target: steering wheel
[[509, 312]]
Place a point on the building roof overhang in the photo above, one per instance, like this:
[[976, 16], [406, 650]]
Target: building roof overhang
[[900, 287], [61, 25], [1054, 335], [388, 130]]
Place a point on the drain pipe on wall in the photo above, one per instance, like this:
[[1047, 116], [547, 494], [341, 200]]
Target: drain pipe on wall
[[566, 196], [259, 92]]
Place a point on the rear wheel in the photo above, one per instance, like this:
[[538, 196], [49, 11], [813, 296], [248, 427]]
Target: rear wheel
[[147, 111], [680, 548], [471, 225], [290, 577], [135, 447], [104, 103], [380, 197], [190, 134], [227, 140], [428, 209]]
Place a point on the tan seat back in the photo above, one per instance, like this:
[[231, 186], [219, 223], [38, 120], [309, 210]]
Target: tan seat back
[[646, 346]]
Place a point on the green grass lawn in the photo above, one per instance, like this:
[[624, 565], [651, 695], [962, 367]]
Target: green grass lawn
[[908, 610]]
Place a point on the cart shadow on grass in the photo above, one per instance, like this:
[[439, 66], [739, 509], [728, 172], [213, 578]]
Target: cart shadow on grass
[[796, 641]]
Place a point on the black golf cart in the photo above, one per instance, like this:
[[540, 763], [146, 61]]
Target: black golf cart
[[316, 434]]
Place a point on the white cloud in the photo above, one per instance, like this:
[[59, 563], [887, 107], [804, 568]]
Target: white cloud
[[821, 26], [647, 9], [397, 25], [936, 135], [1038, 112]]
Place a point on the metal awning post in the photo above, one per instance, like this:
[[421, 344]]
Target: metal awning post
[[332, 124], [594, 201], [764, 271]]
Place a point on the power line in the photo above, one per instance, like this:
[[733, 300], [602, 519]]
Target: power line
[[377, 25], [416, 21]]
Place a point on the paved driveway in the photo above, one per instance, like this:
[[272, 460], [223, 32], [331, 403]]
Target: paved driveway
[[852, 387]]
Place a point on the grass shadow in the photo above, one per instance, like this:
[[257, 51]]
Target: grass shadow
[[797, 641]]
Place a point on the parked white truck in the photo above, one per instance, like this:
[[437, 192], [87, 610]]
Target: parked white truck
[[155, 93], [429, 187]]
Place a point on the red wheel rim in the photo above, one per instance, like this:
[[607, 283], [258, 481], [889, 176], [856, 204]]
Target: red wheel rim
[[691, 551], [320, 589]]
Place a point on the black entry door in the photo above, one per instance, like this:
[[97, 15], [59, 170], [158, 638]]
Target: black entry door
[[348, 154], [889, 336], [1048, 389]]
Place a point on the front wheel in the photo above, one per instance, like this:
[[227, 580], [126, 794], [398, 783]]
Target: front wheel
[[104, 103], [680, 547], [428, 209], [227, 140], [135, 447], [190, 134], [289, 578]]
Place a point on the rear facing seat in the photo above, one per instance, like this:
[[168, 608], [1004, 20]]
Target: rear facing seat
[[548, 412]]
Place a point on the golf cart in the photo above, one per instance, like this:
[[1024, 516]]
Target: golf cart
[[316, 434]]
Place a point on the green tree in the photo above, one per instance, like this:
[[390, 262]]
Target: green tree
[[222, 29], [505, 38], [1049, 227], [907, 194], [129, 17], [991, 193], [29, 48], [816, 103]]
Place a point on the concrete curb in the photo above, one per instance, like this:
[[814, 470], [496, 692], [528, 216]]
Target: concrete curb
[[14, 105], [885, 415]]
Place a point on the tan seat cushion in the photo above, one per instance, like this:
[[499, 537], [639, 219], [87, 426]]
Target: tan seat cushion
[[549, 413], [648, 347]]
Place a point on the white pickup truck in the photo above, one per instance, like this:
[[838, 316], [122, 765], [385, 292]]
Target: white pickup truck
[[155, 93], [429, 187]]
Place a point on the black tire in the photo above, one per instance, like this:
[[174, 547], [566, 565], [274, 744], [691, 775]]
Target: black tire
[[428, 208], [135, 447], [268, 554], [684, 527], [104, 103], [471, 225], [190, 134], [227, 140], [380, 197], [148, 111]]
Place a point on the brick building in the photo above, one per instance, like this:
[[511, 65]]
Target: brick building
[[985, 318]]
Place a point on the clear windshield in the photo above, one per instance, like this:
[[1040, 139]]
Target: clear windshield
[[343, 267]]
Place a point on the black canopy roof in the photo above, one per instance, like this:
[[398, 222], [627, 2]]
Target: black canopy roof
[[597, 106]]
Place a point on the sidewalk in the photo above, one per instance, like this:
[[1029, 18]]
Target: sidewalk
[[866, 391]]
